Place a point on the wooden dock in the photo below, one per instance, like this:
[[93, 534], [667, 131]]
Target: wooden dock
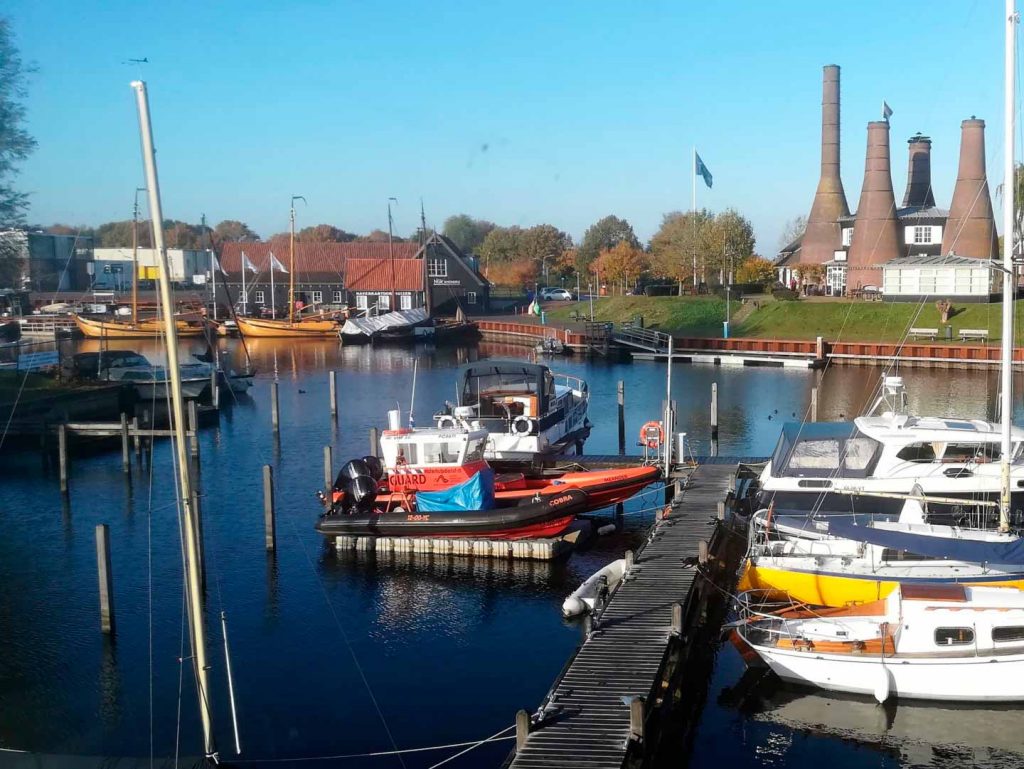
[[598, 710]]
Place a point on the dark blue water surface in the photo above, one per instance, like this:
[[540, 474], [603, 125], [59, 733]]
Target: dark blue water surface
[[338, 654]]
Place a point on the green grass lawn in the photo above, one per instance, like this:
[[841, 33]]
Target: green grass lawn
[[834, 320]]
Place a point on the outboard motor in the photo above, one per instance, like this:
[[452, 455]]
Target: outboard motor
[[360, 494], [354, 468], [373, 464]]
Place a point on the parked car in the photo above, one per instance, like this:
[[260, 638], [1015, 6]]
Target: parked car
[[560, 294]]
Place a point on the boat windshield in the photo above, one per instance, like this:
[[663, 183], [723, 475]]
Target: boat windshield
[[824, 450]]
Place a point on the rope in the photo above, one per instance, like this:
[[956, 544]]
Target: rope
[[381, 753]]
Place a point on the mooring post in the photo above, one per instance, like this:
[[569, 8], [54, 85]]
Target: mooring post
[[714, 410], [148, 424], [374, 442], [629, 557], [136, 440], [193, 427], [333, 379], [702, 552], [214, 388], [269, 526], [328, 470], [814, 404], [126, 454], [677, 619], [636, 719], [106, 577], [275, 421], [721, 511], [622, 416], [62, 456], [522, 729]]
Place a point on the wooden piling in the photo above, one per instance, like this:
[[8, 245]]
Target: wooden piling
[[214, 388], [636, 719], [622, 416], [677, 619], [328, 470], [333, 380], [702, 552], [148, 424], [714, 410], [522, 729], [275, 421], [126, 454], [269, 525], [106, 578], [62, 456], [721, 511], [629, 557], [136, 439], [374, 442], [193, 427], [814, 404]]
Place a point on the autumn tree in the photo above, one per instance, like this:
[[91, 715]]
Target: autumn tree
[[326, 233], [756, 270], [517, 274], [233, 231], [602, 235], [379, 236], [16, 144], [544, 244], [794, 229], [501, 246], [735, 238], [466, 232], [620, 265], [679, 243]]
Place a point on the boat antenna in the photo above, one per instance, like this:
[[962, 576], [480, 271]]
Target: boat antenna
[[412, 400], [1009, 173], [197, 626]]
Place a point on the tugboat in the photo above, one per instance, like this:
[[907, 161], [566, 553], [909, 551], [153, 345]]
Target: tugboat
[[529, 412]]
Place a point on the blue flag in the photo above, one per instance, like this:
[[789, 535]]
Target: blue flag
[[702, 170]]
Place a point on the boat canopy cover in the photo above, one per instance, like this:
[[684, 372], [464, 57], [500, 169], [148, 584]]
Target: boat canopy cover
[[505, 376], [372, 325], [477, 493], [1009, 552], [824, 450]]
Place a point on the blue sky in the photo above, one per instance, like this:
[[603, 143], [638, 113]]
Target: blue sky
[[517, 112]]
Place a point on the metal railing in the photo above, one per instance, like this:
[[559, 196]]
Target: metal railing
[[641, 337]]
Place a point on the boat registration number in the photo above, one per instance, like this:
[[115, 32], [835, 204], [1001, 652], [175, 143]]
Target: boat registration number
[[418, 517]]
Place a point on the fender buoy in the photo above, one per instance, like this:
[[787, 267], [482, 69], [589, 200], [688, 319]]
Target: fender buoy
[[651, 435], [522, 425]]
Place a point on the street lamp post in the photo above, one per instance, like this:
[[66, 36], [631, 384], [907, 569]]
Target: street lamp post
[[590, 292]]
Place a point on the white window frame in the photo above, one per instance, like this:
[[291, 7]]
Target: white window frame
[[922, 234], [336, 297], [384, 303], [259, 297], [318, 297], [362, 302], [405, 302], [471, 297], [437, 267], [242, 297]]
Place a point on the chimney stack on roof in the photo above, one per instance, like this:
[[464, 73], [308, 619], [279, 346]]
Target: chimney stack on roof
[[876, 235], [919, 174], [971, 227], [822, 236]]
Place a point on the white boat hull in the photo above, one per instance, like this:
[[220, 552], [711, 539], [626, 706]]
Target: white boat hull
[[985, 678]]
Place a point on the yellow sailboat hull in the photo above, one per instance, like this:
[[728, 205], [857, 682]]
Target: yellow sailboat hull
[[837, 590], [266, 328], [146, 329]]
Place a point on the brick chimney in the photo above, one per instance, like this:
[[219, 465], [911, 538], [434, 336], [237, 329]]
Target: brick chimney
[[823, 236], [919, 173], [876, 232], [971, 227]]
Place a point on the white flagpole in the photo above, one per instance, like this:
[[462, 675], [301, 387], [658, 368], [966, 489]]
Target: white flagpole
[[693, 168]]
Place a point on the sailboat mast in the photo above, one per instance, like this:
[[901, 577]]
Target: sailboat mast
[[1009, 191], [291, 269], [391, 256], [193, 589]]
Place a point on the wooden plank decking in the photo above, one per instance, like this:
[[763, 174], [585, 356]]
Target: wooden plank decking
[[586, 717]]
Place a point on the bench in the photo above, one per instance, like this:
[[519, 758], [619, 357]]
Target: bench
[[920, 333], [979, 334]]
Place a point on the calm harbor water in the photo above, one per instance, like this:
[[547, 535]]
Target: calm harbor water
[[338, 655]]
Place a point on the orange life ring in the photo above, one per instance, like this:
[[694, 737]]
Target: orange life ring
[[651, 435]]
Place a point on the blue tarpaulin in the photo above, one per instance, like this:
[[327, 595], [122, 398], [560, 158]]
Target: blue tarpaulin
[[475, 494]]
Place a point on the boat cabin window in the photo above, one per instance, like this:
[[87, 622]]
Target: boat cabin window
[[917, 452], [475, 451], [820, 455], [954, 636], [859, 453], [824, 450], [407, 453], [441, 453], [1008, 633], [971, 452]]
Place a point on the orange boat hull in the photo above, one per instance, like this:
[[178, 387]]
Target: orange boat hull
[[281, 329], [146, 329]]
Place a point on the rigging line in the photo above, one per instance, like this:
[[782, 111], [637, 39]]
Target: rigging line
[[344, 636], [473, 747], [375, 754]]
